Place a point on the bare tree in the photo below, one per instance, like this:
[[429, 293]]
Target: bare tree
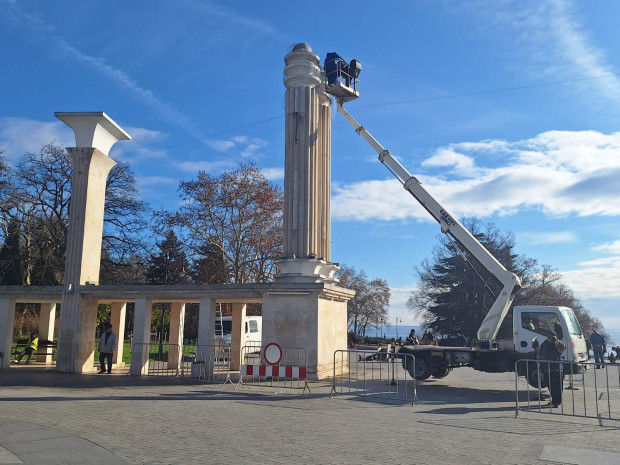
[[371, 302], [234, 221], [38, 195]]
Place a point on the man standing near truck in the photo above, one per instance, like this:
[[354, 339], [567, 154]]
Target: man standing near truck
[[598, 344], [551, 349]]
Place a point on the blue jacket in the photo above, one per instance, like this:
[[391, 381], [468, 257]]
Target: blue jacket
[[597, 340]]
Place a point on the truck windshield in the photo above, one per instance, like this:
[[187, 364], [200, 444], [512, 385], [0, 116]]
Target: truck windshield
[[571, 320]]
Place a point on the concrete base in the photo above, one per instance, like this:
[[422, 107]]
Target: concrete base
[[76, 335], [305, 270], [310, 318]]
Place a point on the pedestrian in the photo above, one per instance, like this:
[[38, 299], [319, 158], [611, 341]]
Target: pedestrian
[[460, 340], [412, 338], [31, 346], [551, 350], [598, 341], [107, 345]]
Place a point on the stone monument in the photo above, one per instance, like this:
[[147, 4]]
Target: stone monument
[[311, 312]]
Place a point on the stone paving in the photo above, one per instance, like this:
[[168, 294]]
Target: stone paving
[[466, 418]]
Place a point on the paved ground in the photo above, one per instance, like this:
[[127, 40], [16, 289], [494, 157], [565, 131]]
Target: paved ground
[[466, 418]]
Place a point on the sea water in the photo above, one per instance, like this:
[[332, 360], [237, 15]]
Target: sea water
[[395, 332]]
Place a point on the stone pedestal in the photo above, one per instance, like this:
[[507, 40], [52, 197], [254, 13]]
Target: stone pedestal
[[314, 318], [141, 337]]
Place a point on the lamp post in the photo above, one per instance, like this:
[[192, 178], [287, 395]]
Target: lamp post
[[382, 321], [401, 320]]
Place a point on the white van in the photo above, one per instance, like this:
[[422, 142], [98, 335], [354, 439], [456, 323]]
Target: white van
[[253, 329]]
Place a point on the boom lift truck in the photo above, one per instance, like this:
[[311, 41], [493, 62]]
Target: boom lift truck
[[530, 323]]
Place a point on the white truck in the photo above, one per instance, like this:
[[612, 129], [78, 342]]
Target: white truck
[[252, 329], [529, 322]]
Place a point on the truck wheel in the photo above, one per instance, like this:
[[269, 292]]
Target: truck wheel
[[440, 373], [422, 369], [439, 367], [536, 376]]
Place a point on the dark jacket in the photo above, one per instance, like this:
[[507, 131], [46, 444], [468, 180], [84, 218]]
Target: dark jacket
[[551, 350], [597, 340], [460, 341]]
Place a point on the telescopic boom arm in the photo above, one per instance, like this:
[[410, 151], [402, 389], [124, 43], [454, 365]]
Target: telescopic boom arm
[[510, 282]]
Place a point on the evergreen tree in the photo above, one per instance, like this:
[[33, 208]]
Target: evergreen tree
[[11, 257], [455, 291], [170, 264]]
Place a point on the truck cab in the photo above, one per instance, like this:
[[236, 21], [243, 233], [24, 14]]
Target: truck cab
[[252, 329], [534, 322]]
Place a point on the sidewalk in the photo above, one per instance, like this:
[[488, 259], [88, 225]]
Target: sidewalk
[[466, 418]]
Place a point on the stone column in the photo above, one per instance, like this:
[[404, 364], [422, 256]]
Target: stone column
[[118, 316], [306, 174], [47, 318], [141, 336], [7, 321], [206, 323], [237, 337], [177, 323], [95, 133]]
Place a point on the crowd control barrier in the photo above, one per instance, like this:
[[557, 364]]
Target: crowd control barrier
[[587, 391], [274, 366], [372, 374], [210, 363], [155, 359]]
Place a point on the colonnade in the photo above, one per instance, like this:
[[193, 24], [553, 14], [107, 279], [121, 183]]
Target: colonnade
[[141, 329]]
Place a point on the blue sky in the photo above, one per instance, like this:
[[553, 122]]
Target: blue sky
[[189, 78]]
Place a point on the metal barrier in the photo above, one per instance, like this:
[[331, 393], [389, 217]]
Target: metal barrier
[[373, 374], [156, 359], [289, 371], [210, 363], [583, 389]]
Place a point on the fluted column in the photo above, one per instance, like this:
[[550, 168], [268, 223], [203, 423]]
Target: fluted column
[[306, 179]]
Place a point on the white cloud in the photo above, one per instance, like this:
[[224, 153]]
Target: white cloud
[[548, 39], [597, 278], [150, 181], [557, 172], [446, 157], [140, 147], [534, 238], [20, 135], [220, 145], [611, 247], [273, 174]]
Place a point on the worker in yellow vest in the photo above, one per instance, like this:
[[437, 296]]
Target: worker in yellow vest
[[31, 346]]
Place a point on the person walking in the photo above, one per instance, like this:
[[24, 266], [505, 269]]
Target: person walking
[[107, 345], [598, 343], [31, 346], [551, 349]]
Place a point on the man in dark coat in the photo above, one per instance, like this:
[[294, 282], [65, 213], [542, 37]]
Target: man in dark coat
[[551, 349], [598, 344], [460, 340]]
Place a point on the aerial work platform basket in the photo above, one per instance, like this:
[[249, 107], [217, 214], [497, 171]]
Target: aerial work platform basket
[[341, 77]]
